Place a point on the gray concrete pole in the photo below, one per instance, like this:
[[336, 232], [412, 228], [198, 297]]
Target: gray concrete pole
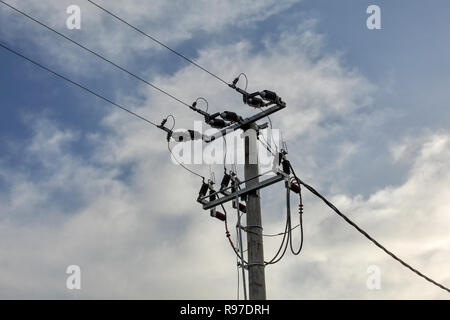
[[256, 277]]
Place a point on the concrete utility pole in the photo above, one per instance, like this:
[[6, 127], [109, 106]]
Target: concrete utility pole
[[227, 123], [256, 277]]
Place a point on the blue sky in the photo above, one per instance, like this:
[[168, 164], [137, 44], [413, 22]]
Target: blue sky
[[367, 123]]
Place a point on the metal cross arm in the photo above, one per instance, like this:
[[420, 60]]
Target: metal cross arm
[[207, 204]]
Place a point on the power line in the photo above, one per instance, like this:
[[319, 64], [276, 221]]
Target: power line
[[157, 41], [99, 96], [77, 84], [182, 165], [97, 54], [353, 224]]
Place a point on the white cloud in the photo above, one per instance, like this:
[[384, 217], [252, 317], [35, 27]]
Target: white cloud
[[143, 236]]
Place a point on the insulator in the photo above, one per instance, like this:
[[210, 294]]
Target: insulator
[[203, 190], [187, 135], [225, 181], [218, 215], [217, 123], [242, 207], [300, 208], [230, 116], [221, 216], [255, 102], [295, 187], [286, 167], [212, 195], [269, 95]]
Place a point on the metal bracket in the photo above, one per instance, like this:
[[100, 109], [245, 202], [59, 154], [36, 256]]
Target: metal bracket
[[239, 193]]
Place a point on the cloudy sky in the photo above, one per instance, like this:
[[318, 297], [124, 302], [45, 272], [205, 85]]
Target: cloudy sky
[[82, 183]]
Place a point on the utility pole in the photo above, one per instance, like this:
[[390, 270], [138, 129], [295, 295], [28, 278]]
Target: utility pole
[[228, 122], [256, 276]]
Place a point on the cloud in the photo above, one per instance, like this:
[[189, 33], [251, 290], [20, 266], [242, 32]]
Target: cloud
[[169, 22], [127, 215]]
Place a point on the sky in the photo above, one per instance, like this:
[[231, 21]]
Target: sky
[[366, 123]]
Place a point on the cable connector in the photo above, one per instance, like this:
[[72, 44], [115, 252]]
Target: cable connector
[[162, 127], [231, 116], [212, 120]]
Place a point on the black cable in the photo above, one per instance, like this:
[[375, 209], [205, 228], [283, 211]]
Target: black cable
[[353, 224], [77, 84], [157, 41], [281, 233], [224, 153], [288, 208], [271, 133], [276, 259], [206, 101], [183, 166], [246, 79], [97, 55]]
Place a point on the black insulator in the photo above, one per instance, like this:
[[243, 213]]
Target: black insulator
[[286, 166], [212, 195], [295, 187], [269, 95], [217, 123], [203, 190], [214, 115], [255, 102], [225, 181], [230, 116], [194, 104]]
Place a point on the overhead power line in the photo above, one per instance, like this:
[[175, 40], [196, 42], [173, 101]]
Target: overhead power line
[[158, 42], [97, 54], [77, 84], [364, 233]]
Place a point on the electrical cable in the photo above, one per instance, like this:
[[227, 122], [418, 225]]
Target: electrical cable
[[364, 233], [224, 153], [228, 235], [157, 41], [276, 258], [77, 84], [281, 233], [227, 232], [288, 209], [241, 246], [266, 145], [206, 101], [246, 79], [97, 55], [173, 156], [271, 134], [186, 168]]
